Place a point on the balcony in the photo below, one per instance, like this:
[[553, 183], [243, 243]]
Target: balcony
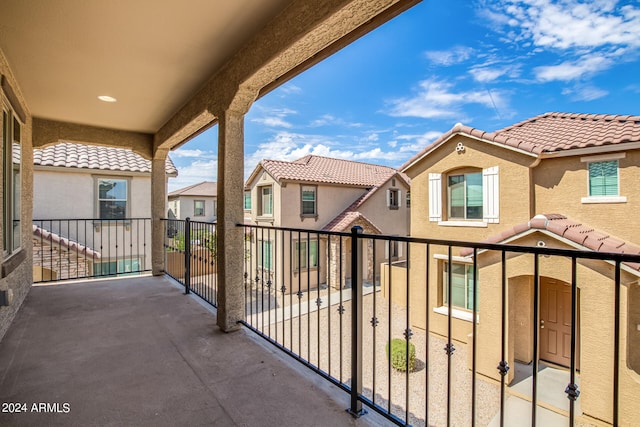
[[136, 351]]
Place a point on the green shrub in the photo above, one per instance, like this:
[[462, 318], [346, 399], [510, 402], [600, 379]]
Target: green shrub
[[399, 355]]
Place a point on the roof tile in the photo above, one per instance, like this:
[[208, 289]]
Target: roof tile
[[81, 156]]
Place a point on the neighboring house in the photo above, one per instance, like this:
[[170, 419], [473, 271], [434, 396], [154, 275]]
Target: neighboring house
[[320, 193], [198, 202], [101, 194], [555, 180]]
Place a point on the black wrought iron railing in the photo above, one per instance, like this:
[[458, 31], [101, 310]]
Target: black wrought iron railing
[[438, 332], [190, 256], [65, 249]]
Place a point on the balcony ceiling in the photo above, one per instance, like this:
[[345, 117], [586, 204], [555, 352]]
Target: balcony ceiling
[[151, 55]]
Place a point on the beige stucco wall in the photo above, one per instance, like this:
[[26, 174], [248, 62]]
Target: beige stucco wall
[[553, 186], [561, 183], [393, 222], [183, 207], [18, 280], [331, 200]]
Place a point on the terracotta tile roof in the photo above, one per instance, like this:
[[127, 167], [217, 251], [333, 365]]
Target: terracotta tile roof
[[551, 132], [55, 239], [327, 170], [204, 188], [576, 232], [346, 219], [83, 156]]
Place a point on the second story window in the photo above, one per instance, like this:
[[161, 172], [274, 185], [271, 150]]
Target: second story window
[[198, 208], [393, 198], [247, 200], [309, 203], [266, 201], [113, 197], [465, 196], [603, 178]]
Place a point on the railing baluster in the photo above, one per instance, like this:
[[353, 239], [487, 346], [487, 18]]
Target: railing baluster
[[616, 345], [356, 409], [536, 323], [503, 367]]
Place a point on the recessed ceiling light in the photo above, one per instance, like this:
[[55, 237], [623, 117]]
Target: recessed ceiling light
[[107, 98]]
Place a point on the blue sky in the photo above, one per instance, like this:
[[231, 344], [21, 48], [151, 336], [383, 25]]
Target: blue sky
[[486, 64]]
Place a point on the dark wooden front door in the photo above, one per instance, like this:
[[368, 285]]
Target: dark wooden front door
[[555, 323]]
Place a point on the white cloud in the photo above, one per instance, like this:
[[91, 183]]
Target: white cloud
[[569, 23], [489, 73], [573, 70], [197, 153], [586, 93], [275, 117], [437, 99], [452, 56], [331, 120], [195, 172]]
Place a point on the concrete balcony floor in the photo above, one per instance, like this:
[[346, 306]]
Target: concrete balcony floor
[[137, 352]]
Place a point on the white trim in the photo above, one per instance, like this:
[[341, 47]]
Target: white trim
[[477, 224], [454, 258], [603, 157], [491, 195], [604, 199], [435, 197], [467, 316]]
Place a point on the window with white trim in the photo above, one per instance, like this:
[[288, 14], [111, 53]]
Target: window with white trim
[[471, 197], [464, 199], [11, 180], [393, 198], [113, 195], [603, 178], [266, 200], [461, 286], [247, 200], [308, 196], [306, 255], [198, 208]]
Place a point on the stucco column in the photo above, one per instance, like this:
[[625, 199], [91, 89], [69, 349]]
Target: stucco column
[[230, 214], [158, 209]]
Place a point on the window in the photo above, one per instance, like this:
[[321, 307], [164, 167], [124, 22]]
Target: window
[[247, 200], [198, 208], [393, 198], [123, 266], [264, 254], [465, 196], [11, 181], [266, 201], [408, 199], [306, 254], [470, 197], [308, 198], [603, 178], [461, 286], [112, 198]]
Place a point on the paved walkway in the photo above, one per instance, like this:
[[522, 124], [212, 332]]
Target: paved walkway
[[137, 352]]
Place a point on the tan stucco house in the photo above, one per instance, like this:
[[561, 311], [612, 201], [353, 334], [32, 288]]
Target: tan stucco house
[[198, 202], [326, 194], [95, 198], [556, 180]]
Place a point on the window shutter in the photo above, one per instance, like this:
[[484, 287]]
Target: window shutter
[[491, 195], [435, 197], [388, 197], [399, 198]]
